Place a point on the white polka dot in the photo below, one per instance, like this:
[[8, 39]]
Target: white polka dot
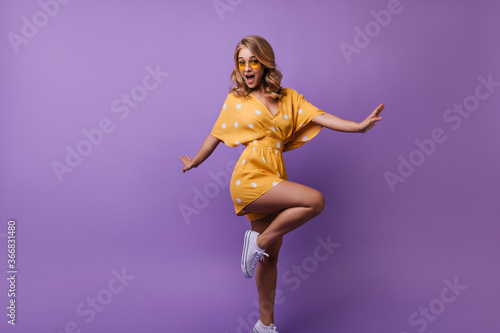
[[276, 151], [238, 106], [243, 162], [253, 148], [274, 129], [269, 147], [264, 159], [238, 199], [257, 111], [254, 141], [236, 142], [238, 182], [250, 125], [224, 107], [279, 175], [300, 111], [254, 185], [285, 116], [275, 183], [304, 138], [223, 125], [236, 124], [278, 144], [303, 125]]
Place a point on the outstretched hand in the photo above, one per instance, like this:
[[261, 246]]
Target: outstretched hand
[[188, 163], [370, 121]]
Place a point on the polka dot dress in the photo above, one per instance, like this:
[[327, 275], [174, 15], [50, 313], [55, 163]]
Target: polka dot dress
[[266, 137]]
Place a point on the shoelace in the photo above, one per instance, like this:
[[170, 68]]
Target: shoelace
[[273, 328], [258, 257]]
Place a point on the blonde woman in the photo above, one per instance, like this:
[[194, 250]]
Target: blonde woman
[[269, 120]]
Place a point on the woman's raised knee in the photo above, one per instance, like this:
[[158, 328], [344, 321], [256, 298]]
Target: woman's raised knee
[[318, 203]]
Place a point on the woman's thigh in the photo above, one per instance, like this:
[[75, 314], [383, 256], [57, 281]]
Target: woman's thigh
[[285, 195]]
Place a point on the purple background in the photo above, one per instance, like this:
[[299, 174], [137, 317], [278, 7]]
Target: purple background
[[120, 208]]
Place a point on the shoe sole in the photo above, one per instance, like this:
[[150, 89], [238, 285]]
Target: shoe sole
[[246, 244]]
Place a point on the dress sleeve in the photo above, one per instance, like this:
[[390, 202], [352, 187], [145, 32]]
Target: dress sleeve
[[303, 129], [234, 125]]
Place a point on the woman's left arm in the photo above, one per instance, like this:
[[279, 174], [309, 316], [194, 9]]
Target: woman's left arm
[[338, 124]]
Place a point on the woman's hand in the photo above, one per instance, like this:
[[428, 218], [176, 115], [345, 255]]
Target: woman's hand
[[370, 121], [188, 163], [206, 149]]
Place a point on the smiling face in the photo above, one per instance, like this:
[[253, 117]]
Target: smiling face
[[250, 68]]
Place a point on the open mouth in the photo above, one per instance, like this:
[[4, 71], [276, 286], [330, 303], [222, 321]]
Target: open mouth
[[250, 78]]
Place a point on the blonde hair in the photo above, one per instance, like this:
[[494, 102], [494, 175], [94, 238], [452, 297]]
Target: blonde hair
[[265, 54]]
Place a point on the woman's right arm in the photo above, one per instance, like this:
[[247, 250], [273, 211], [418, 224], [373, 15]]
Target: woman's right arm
[[206, 150]]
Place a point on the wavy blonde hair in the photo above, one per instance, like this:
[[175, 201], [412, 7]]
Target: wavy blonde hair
[[265, 54]]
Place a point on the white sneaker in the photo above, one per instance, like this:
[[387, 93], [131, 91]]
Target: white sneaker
[[251, 254], [261, 328]]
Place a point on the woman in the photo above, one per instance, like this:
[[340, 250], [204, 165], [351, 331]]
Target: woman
[[268, 120]]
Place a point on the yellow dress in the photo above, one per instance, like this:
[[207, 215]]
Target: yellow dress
[[248, 122]]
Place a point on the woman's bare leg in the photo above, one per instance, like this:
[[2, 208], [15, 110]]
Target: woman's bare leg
[[295, 204], [266, 273]]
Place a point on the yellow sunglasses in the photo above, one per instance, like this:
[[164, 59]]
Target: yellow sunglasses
[[253, 64]]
